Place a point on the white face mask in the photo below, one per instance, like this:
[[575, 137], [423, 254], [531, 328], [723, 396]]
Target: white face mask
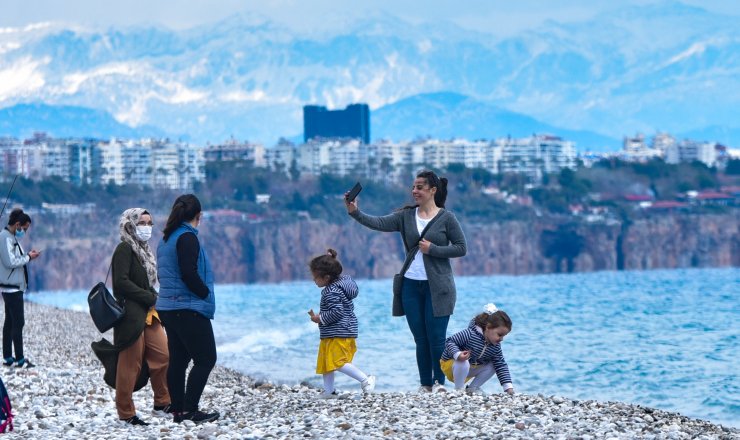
[[143, 233]]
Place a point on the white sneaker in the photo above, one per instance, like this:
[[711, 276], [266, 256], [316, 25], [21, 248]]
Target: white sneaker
[[438, 388], [328, 396], [368, 385]]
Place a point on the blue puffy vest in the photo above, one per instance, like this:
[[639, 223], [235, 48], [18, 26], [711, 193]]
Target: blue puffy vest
[[173, 293]]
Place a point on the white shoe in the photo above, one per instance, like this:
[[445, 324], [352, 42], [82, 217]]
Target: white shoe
[[438, 388], [328, 396], [368, 385]]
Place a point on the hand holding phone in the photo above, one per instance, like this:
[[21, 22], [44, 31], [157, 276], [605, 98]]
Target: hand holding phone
[[352, 194]]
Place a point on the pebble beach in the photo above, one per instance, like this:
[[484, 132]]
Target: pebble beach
[[64, 396]]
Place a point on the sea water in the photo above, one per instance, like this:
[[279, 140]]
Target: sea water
[[668, 339]]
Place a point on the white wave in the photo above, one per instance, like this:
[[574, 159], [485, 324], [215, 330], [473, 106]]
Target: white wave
[[256, 341]]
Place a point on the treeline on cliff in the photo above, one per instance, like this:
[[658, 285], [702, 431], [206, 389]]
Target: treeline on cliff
[[513, 226], [474, 194]]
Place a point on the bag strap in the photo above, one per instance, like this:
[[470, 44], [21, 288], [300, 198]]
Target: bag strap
[[110, 266], [407, 262], [429, 225]]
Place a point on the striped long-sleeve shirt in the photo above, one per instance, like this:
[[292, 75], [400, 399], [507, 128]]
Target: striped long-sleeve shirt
[[481, 351], [336, 311]]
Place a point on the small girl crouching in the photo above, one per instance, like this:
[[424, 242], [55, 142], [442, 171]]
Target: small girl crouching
[[337, 324], [476, 352]]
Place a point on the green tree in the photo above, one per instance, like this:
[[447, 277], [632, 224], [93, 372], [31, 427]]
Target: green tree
[[733, 167]]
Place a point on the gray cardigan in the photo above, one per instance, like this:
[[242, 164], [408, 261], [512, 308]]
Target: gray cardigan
[[448, 241]]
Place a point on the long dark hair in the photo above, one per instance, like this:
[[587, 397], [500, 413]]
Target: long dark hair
[[434, 181], [185, 208]]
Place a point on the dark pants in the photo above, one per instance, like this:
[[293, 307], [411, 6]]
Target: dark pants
[[189, 337], [429, 331], [13, 326]]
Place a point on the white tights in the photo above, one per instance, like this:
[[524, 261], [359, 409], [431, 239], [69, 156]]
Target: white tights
[[348, 369], [461, 370]]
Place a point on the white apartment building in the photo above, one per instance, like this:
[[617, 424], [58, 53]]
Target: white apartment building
[[37, 158], [281, 156], [137, 163], [233, 150], [688, 151], [146, 162], [536, 155], [662, 142], [191, 163], [342, 157], [635, 149], [108, 162]]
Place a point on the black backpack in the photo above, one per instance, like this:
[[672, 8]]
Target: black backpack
[[6, 410]]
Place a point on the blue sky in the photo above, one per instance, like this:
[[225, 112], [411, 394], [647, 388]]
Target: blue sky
[[495, 16]]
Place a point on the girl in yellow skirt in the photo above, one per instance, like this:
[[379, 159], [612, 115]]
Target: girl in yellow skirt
[[337, 324]]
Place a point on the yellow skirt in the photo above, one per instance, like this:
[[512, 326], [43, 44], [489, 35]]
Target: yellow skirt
[[447, 369], [335, 352]]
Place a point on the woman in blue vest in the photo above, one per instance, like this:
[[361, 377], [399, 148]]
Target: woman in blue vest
[[186, 305]]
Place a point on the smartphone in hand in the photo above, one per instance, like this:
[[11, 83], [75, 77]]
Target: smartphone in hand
[[353, 192]]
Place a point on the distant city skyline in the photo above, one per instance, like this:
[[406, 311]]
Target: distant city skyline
[[496, 17]]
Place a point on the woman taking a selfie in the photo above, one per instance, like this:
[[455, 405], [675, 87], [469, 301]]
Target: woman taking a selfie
[[427, 295]]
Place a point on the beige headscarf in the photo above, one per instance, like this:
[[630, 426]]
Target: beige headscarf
[[127, 226]]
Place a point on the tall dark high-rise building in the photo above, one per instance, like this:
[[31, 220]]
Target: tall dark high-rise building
[[352, 122]]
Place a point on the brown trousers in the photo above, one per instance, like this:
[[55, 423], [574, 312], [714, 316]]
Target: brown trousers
[[152, 346]]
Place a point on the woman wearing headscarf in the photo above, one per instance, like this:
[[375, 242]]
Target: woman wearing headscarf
[[139, 335]]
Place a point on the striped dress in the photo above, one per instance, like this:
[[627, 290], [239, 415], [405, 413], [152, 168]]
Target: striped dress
[[481, 351], [336, 311]]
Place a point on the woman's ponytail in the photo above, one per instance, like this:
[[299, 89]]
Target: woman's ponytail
[[440, 197], [185, 208]]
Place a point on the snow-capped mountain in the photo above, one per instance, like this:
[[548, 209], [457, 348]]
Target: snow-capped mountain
[[667, 67]]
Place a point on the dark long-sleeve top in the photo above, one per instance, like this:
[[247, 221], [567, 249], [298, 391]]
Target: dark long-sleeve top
[[188, 249], [130, 287]]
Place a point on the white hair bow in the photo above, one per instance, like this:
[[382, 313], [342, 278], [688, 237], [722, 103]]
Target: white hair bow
[[490, 308]]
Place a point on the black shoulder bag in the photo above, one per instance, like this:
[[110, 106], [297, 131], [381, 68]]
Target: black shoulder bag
[[398, 278], [105, 311]]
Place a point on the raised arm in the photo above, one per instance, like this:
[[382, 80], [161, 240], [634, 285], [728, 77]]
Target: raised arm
[[388, 223]]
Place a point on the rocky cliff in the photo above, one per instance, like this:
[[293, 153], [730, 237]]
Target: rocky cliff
[[272, 252]]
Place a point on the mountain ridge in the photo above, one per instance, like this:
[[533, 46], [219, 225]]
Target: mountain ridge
[[661, 67]]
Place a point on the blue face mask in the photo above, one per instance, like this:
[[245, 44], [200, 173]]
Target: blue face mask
[[19, 233]]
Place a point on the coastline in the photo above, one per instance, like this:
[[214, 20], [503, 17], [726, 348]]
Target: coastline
[[64, 396]]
